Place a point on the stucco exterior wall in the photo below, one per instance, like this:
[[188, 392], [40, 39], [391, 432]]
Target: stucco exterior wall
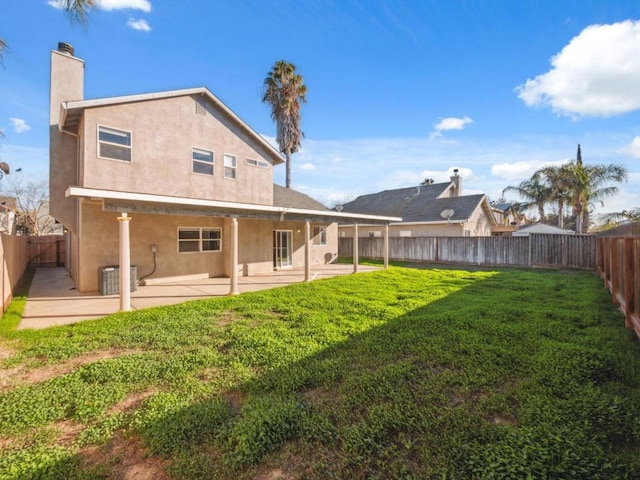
[[479, 224], [100, 245], [163, 134], [67, 84]]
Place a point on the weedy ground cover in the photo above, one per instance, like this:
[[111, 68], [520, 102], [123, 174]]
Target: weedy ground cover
[[402, 373]]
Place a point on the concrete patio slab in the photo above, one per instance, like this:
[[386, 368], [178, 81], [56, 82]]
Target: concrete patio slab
[[54, 300]]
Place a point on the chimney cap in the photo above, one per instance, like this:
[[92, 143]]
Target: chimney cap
[[455, 171], [66, 48]]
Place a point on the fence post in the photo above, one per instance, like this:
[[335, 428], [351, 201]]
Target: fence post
[[530, 248], [629, 290]]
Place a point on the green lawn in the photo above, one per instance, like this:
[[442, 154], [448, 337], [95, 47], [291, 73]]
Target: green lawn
[[397, 374]]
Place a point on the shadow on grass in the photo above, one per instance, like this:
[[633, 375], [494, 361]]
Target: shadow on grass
[[483, 382]]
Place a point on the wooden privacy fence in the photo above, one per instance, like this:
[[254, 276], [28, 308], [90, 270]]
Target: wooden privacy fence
[[45, 251], [536, 250], [618, 264]]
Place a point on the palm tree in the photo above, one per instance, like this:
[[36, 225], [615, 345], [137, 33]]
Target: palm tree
[[556, 178], [534, 192], [589, 184], [632, 215], [285, 90]]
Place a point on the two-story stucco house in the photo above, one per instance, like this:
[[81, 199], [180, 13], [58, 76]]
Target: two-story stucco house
[[174, 183]]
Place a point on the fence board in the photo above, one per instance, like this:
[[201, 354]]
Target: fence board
[[538, 250], [45, 251]]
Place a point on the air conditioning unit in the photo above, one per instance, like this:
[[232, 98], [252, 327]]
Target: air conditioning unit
[[109, 279]]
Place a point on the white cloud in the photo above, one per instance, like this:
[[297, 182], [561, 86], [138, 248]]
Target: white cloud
[[596, 74], [449, 123], [512, 171], [20, 125], [141, 25], [143, 5], [633, 148], [307, 166]]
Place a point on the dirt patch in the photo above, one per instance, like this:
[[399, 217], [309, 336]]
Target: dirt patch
[[132, 401], [274, 474], [126, 459], [21, 375], [69, 432]]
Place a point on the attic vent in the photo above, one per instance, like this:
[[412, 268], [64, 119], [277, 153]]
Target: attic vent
[[201, 106]]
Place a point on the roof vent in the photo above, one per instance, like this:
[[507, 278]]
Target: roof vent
[[65, 48]]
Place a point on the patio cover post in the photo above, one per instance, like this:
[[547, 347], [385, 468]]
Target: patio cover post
[[234, 256], [307, 251], [355, 248], [385, 246], [125, 263]]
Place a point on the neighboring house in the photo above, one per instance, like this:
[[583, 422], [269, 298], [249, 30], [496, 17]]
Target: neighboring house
[[436, 210], [176, 184], [508, 220], [541, 228], [8, 220]]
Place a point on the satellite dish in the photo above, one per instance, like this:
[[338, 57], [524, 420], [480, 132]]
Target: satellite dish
[[4, 166], [448, 213]]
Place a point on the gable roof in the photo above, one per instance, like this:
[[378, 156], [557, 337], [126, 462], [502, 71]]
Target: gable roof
[[541, 228], [423, 204], [395, 202], [71, 112], [288, 198]]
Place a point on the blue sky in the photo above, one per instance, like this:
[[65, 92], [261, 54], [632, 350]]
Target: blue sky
[[398, 90]]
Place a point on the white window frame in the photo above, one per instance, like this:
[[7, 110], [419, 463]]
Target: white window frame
[[257, 163], [374, 233], [200, 240], [405, 233], [203, 162], [117, 145], [319, 236], [230, 168]]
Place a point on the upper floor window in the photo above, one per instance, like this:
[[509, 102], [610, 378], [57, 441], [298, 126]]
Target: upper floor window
[[319, 235], [229, 166], [202, 161], [257, 163], [114, 144]]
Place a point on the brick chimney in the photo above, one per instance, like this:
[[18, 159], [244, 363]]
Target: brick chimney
[[457, 181]]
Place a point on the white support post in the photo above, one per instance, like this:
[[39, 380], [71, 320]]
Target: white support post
[[385, 246], [307, 251], [234, 257], [355, 248], [125, 263]]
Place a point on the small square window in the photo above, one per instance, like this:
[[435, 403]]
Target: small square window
[[229, 166], [202, 161]]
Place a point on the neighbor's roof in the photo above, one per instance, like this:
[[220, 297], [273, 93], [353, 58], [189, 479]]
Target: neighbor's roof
[[71, 112], [418, 204], [288, 198], [395, 202], [541, 228]]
